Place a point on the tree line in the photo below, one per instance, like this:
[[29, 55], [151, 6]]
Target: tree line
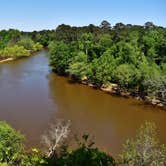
[[16, 44], [132, 56]]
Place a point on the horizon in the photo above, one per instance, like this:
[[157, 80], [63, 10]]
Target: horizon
[[78, 26], [29, 15]]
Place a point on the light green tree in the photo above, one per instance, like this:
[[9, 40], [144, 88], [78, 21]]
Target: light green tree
[[126, 75], [79, 65], [101, 69], [145, 149], [86, 42], [26, 42], [14, 52], [11, 145], [60, 56]]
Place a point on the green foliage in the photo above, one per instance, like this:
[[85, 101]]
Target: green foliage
[[99, 53], [156, 87], [145, 149], [78, 66], [37, 47], [15, 44], [12, 152], [8, 38], [11, 145], [86, 42], [86, 155], [27, 43], [101, 69], [14, 52], [105, 42], [163, 68], [59, 56], [127, 55], [126, 75], [105, 25], [34, 158]]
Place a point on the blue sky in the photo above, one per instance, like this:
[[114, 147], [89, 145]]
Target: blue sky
[[31, 15]]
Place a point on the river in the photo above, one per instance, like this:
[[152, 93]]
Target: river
[[32, 97]]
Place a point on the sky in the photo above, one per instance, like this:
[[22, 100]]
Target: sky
[[29, 15]]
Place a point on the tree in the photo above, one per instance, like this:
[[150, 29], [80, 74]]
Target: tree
[[105, 42], [86, 42], [27, 43], [145, 149], [148, 71], [101, 69], [152, 40], [9, 37], [149, 25], [14, 52], [60, 56], [156, 87], [78, 66], [128, 53], [119, 26], [55, 136], [65, 33], [86, 155], [11, 145], [105, 25], [37, 47], [126, 75]]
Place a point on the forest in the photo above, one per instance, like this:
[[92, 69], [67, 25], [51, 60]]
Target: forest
[[131, 56]]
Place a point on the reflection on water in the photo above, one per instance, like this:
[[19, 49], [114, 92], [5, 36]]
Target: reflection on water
[[31, 97]]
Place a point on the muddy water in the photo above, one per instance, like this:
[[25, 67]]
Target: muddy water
[[31, 97]]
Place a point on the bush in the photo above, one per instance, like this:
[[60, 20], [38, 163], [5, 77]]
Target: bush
[[78, 66], [11, 145], [86, 155], [27, 43], [126, 75], [14, 52], [145, 149], [37, 47]]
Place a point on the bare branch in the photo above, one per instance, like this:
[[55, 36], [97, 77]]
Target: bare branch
[[55, 136]]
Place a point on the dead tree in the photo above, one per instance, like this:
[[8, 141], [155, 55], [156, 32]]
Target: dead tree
[[55, 136]]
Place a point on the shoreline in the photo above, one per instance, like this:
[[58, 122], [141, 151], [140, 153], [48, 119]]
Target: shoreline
[[146, 99], [12, 59], [114, 89], [7, 60]]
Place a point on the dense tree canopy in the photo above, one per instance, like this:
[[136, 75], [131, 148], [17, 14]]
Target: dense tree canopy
[[131, 56], [15, 44], [128, 55]]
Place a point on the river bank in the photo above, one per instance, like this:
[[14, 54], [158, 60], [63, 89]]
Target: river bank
[[6, 60], [114, 89], [3, 60]]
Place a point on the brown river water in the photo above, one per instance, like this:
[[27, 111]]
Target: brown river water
[[31, 97]]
